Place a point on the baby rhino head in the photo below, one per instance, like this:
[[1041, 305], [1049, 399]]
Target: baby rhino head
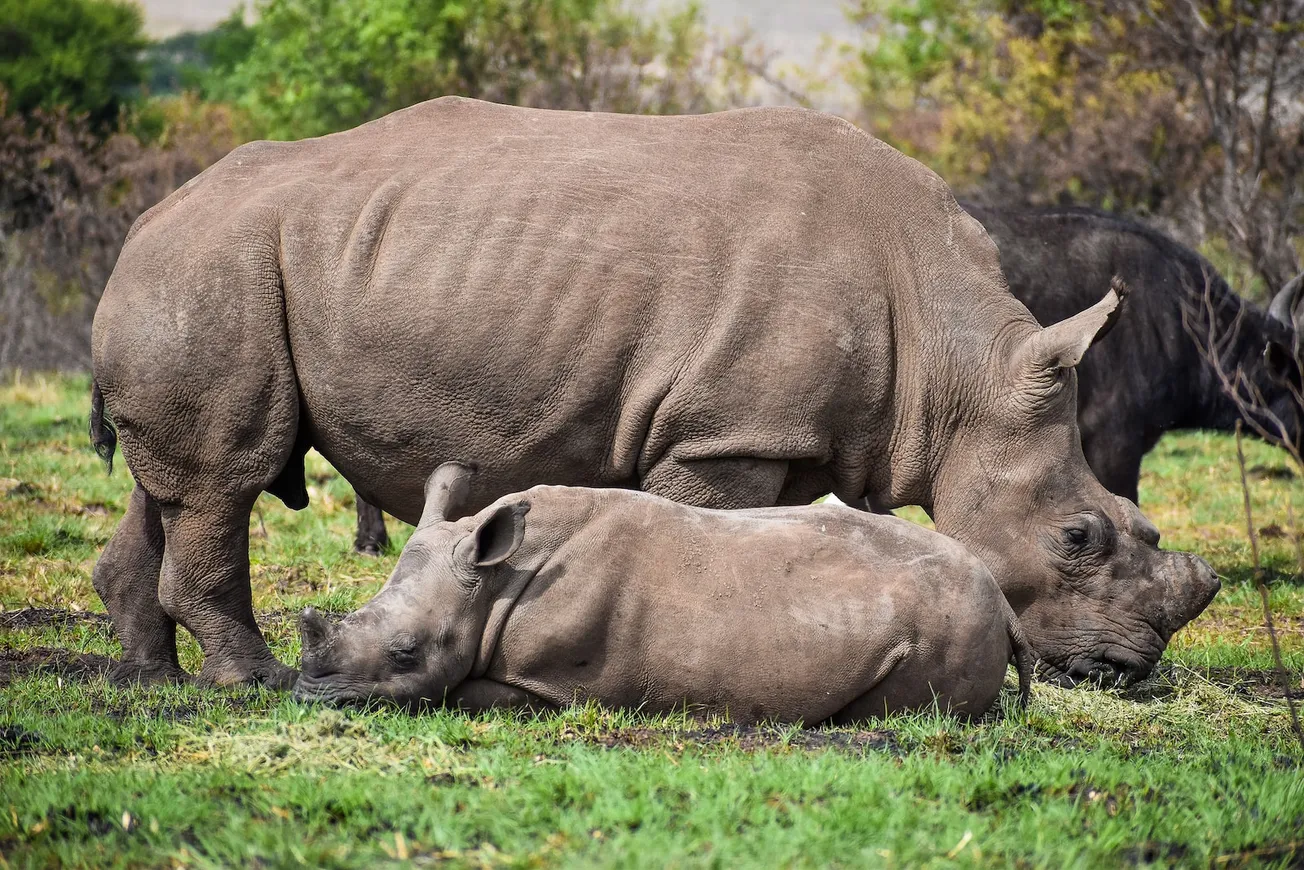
[[420, 635]]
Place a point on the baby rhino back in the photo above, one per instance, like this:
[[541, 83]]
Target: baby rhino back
[[810, 613]]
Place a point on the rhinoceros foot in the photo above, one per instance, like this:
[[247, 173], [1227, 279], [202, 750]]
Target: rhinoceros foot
[[147, 674], [273, 675]]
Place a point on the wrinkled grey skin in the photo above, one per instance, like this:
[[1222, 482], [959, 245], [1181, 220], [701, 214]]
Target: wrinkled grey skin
[[737, 310], [562, 594]]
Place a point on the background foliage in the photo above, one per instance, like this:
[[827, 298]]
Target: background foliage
[[79, 55], [1191, 114], [94, 130]]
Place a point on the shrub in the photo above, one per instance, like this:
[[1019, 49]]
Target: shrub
[[67, 198], [76, 55]]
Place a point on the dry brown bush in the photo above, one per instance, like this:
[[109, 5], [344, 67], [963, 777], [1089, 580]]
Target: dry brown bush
[[67, 199]]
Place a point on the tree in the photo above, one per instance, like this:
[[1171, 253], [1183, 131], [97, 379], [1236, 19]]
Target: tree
[[1239, 65], [81, 55], [188, 60], [317, 66], [1190, 113]]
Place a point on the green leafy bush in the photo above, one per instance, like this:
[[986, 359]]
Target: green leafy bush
[[317, 66], [77, 55]]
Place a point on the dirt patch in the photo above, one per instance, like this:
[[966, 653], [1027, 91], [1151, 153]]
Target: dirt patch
[[49, 617], [1271, 472], [749, 738], [57, 617], [1151, 852], [1282, 854], [81, 667], [1260, 685]]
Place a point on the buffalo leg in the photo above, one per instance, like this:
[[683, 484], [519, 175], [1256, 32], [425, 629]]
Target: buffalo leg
[[205, 587], [127, 580], [372, 539], [1117, 468], [726, 483]]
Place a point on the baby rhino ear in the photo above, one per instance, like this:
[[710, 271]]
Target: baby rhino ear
[[499, 534]]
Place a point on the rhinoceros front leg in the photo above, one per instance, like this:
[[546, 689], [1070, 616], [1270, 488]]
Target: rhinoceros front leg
[[475, 696], [126, 578], [205, 587], [372, 539], [725, 483]]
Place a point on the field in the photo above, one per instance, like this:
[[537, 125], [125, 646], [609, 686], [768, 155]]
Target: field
[[1196, 766]]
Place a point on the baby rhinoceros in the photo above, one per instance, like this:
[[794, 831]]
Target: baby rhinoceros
[[558, 595]]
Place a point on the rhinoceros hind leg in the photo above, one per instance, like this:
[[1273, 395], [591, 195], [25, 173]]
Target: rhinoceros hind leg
[[126, 578], [205, 587], [372, 539], [914, 677], [726, 483]]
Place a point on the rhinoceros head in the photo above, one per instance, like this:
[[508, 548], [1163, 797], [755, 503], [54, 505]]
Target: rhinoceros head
[[420, 635], [1081, 567]]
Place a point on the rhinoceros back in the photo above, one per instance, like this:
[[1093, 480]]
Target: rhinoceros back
[[564, 296]]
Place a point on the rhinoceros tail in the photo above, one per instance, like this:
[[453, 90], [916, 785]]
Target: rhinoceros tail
[[103, 436], [1021, 653]]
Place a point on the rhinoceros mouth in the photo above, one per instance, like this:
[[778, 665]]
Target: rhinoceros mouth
[[330, 689], [1105, 671]]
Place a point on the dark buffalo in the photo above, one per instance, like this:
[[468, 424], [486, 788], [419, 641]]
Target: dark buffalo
[[1149, 375]]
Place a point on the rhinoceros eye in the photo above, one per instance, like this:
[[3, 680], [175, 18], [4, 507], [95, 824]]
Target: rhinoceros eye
[[403, 655], [1076, 537]]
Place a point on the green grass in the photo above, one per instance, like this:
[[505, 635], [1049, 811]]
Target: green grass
[[1194, 766]]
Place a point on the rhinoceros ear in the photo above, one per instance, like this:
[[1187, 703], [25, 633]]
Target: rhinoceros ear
[[496, 537], [446, 491], [1062, 345]]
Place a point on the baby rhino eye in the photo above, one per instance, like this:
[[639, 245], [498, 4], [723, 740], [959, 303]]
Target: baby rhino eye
[[1075, 536], [403, 654]]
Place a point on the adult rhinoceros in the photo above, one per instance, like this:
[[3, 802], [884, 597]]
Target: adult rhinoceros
[[734, 310]]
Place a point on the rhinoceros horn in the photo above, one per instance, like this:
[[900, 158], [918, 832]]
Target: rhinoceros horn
[[446, 491]]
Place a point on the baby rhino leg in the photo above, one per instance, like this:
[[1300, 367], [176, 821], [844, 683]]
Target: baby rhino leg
[[475, 696]]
